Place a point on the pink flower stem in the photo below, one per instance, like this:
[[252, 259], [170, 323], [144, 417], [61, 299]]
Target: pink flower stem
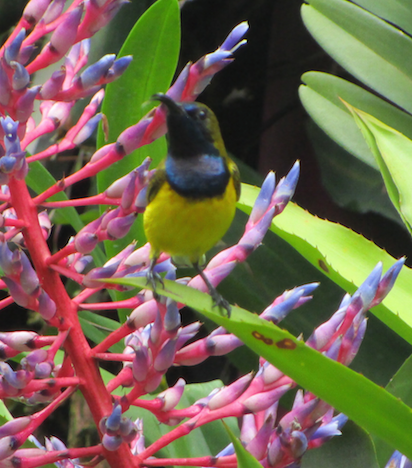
[[91, 383], [59, 455]]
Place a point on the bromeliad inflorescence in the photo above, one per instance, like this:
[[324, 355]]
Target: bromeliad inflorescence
[[34, 370]]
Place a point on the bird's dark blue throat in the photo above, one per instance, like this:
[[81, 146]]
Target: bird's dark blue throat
[[199, 177]]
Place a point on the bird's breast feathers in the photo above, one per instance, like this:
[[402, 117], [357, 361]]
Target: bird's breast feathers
[[188, 227]]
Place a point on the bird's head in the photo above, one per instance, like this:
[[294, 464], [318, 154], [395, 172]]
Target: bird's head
[[193, 128]]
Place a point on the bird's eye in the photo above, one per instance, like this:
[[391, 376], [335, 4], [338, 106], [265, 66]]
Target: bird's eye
[[201, 115]]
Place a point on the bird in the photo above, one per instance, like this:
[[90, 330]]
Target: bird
[[191, 198]]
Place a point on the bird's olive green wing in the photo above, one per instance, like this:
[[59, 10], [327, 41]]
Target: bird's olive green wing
[[236, 178], [157, 180]]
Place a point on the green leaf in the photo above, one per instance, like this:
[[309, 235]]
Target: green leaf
[[244, 458], [367, 46], [401, 387], [392, 151], [398, 12], [322, 96], [361, 400], [342, 255], [154, 43]]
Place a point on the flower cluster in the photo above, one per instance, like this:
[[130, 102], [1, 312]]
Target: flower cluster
[[154, 336]]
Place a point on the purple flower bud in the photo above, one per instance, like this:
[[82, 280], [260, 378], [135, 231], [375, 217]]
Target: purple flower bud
[[47, 307], [43, 370], [275, 452], [113, 421], [127, 429], [144, 314], [367, 290], [53, 85], [278, 312], [87, 130], [221, 345], [387, 281], [7, 164], [17, 379], [128, 194], [25, 54], [24, 105], [5, 87], [263, 400], [172, 395], [263, 199], [112, 443], [6, 259], [141, 199], [286, 188], [21, 77], [229, 394], [89, 280], [11, 52], [130, 138], [331, 429], [14, 426], [85, 242], [253, 238], [258, 446], [119, 227], [35, 357], [8, 445], [117, 188], [34, 10], [16, 292], [29, 280], [54, 10], [59, 112], [166, 355], [231, 42], [141, 363], [398, 460], [65, 34], [118, 68], [156, 329], [172, 320], [19, 340], [101, 153], [96, 72]]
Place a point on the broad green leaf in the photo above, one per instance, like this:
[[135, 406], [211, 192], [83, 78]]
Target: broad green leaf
[[351, 183], [398, 12], [244, 458], [154, 43], [366, 403], [393, 153], [322, 95], [401, 387], [367, 46], [342, 255]]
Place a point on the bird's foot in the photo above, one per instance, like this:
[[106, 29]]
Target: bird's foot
[[220, 301], [153, 279]]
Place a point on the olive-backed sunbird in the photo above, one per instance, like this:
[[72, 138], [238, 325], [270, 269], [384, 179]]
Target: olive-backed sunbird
[[192, 195]]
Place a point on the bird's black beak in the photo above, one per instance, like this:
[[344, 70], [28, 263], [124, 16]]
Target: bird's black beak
[[171, 105]]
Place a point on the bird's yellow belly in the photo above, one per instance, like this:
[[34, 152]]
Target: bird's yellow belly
[[187, 228]]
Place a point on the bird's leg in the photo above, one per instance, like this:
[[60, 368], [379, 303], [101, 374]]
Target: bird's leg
[[153, 278], [218, 299]]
